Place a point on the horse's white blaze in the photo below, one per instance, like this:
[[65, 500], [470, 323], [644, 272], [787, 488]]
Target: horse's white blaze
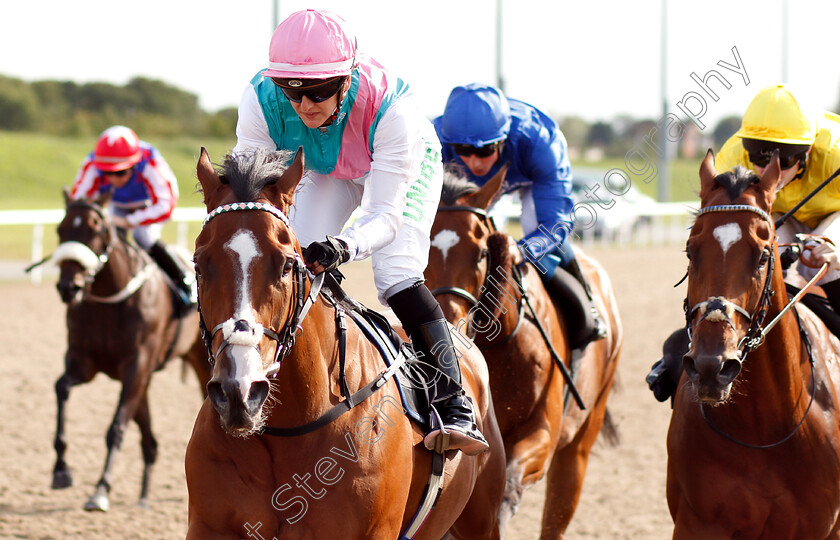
[[243, 350], [444, 240], [727, 235], [77, 221]]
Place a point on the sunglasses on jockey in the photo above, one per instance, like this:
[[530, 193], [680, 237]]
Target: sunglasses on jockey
[[761, 152], [785, 162], [477, 151], [118, 174], [315, 90]]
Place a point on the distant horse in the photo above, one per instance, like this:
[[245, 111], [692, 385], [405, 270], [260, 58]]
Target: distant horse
[[473, 272], [288, 360], [120, 321], [754, 440]]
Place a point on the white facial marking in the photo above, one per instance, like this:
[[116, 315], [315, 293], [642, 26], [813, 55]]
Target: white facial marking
[[727, 235], [243, 349], [77, 222], [444, 240]]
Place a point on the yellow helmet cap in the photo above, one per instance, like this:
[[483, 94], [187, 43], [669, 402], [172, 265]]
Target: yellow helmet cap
[[776, 115]]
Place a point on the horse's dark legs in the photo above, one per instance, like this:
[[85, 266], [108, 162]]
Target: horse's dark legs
[[62, 476], [133, 390], [149, 445]]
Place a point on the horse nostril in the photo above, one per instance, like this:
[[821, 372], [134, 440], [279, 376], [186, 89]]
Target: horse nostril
[[730, 370], [689, 367], [216, 394], [257, 395]]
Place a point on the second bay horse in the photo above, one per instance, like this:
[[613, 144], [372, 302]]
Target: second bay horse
[[475, 274]]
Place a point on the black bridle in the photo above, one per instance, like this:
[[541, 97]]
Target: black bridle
[[755, 334], [468, 296], [523, 301], [285, 337]]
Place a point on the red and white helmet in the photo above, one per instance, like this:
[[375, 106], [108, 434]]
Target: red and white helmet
[[311, 44], [118, 149]]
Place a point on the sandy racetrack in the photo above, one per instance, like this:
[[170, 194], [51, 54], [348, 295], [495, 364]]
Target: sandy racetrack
[[623, 496]]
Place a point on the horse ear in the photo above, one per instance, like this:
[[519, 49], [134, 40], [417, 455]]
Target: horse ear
[[104, 198], [772, 174], [207, 177], [282, 192], [707, 168], [707, 174], [487, 193], [66, 193]]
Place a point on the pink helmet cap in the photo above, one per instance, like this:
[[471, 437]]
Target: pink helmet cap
[[311, 44]]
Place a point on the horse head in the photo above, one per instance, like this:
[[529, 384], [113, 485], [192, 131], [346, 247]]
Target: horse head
[[250, 277], [733, 270], [85, 237], [459, 242]]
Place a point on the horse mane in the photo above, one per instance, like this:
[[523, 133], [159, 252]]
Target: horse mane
[[736, 181], [455, 184], [500, 267], [249, 172]]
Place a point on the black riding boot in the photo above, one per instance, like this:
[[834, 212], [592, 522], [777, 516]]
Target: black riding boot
[[423, 320], [185, 288], [591, 326]]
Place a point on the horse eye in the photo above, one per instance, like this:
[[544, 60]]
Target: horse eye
[[765, 256], [288, 265]]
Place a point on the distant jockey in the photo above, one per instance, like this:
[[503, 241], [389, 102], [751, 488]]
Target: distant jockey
[[145, 193]]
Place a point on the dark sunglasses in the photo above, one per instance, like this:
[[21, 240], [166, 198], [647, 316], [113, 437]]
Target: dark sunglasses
[[317, 93], [477, 151], [120, 174], [785, 162]]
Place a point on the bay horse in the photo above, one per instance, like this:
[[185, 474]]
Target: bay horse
[[755, 429], [285, 362], [474, 272], [120, 322]]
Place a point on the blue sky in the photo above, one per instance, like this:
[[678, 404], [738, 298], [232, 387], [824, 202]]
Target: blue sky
[[592, 59]]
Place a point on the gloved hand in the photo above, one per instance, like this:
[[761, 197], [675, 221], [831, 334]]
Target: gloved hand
[[325, 256], [817, 250]]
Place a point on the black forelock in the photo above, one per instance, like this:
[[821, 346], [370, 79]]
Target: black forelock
[[249, 172], [736, 181], [455, 185]]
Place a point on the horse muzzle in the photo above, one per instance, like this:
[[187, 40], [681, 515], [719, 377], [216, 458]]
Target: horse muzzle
[[711, 375], [72, 290], [240, 412]]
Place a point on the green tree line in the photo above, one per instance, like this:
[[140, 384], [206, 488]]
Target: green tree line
[[66, 108]]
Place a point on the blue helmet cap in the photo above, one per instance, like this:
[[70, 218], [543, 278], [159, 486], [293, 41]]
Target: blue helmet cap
[[475, 114]]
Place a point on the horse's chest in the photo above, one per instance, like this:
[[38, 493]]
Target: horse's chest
[[755, 497]]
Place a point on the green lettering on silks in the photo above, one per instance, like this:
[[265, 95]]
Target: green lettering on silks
[[418, 216]]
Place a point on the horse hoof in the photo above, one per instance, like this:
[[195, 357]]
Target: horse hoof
[[98, 503], [62, 479], [143, 503]]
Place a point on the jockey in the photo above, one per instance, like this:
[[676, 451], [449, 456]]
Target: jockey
[[144, 194], [809, 152], [482, 129], [365, 144]]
